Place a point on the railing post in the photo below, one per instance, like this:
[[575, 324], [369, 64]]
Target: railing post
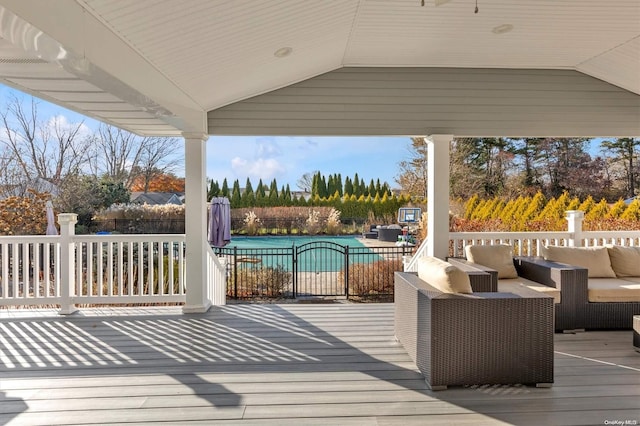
[[235, 272], [346, 272], [67, 222], [574, 227]]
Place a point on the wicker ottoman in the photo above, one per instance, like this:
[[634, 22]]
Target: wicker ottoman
[[636, 332]]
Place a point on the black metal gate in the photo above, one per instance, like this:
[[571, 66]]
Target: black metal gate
[[321, 268], [315, 269]]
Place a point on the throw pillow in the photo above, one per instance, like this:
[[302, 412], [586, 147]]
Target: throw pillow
[[443, 275], [498, 257], [595, 259], [625, 261]]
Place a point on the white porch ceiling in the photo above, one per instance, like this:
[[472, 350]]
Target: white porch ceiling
[[156, 67]]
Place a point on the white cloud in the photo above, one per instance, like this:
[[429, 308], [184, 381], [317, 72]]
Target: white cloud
[[268, 148], [62, 122], [261, 168]]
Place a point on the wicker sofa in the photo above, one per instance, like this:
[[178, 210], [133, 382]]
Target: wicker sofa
[[612, 295], [473, 338]]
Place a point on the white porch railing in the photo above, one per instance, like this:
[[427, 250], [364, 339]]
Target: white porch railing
[[69, 269], [217, 278], [129, 268], [523, 243], [29, 270]]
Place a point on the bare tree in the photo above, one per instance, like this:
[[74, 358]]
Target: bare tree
[[49, 150], [306, 181], [132, 160], [625, 153], [158, 156], [116, 152], [414, 171]]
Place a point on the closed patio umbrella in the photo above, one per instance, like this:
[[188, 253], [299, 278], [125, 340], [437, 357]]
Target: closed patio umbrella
[[51, 221], [219, 229]]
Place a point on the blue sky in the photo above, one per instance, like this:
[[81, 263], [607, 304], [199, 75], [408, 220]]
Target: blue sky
[[287, 158], [284, 158]]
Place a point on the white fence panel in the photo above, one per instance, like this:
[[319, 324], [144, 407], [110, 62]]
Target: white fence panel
[[600, 238], [523, 243], [216, 279], [29, 273], [146, 268]]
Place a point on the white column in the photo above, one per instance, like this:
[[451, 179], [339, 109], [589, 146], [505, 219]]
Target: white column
[[67, 222], [438, 195], [196, 222], [574, 226]]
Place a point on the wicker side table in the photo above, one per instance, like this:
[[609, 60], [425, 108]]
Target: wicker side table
[[636, 332]]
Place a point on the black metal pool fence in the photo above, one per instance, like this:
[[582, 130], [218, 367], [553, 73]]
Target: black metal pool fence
[[315, 269]]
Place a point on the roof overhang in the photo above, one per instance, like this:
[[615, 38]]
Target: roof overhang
[[158, 68]]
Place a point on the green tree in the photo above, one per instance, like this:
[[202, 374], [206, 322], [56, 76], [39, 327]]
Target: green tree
[[236, 197], [261, 195], [348, 186], [224, 191], [213, 190], [338, 182], [248, 195], [624, 153], [113, 193], [274, 197], [371, 189]]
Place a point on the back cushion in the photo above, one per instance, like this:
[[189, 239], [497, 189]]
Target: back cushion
[[595, 259], [443, 275], [625, 261], [498, 257]]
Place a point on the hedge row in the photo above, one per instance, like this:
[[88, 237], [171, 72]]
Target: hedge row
[[536, 213]]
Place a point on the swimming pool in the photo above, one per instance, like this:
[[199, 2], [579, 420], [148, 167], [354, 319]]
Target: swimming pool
[[286, 251]]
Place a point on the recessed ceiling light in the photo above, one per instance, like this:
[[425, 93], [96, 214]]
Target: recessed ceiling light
[[501, 29], [282, 52]]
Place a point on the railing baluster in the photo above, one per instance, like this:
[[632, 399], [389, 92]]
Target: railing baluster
[[5, 270], [15, 269], [38, 268], [110, 291], [120, 262], [160, 277], [130, 277], [141, 290]]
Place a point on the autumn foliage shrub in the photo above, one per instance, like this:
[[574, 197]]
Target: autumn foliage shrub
[[372, 280], [24, 215], [259, 281]]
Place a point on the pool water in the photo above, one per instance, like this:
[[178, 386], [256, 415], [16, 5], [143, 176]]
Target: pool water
[[289, 241], [321, 258]]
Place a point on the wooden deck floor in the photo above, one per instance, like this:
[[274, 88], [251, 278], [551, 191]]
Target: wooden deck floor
[[293, 364]]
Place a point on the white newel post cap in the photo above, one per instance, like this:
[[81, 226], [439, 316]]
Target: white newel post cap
[[574, 214], [67, 218], [574, 227], [67, 223]]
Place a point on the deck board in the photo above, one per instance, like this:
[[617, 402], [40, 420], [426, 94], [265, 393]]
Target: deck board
[[280, 365]]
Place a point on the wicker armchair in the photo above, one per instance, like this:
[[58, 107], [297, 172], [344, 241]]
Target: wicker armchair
[[478, 338], [570, 280]]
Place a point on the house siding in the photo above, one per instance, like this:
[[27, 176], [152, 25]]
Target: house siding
[[424, 101]]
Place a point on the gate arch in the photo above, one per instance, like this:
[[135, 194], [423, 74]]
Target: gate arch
[[321, 268]]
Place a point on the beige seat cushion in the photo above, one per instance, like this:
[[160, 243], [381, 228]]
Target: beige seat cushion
[[511, 285], [498, 257], [443, 275], [625, 261], [595, 259], [613, 290]]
